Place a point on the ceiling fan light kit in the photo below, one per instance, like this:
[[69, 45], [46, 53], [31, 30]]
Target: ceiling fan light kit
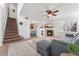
[[51, 13]]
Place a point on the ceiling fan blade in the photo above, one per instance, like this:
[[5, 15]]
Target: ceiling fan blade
[[54, 14], [55, 11]]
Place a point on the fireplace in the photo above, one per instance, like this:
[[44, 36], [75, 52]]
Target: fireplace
[[49, 32]]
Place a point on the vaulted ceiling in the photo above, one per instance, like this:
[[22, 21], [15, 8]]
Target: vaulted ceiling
[[36, 10]]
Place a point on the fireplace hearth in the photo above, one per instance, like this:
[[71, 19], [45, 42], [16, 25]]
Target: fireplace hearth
[[49, 32]]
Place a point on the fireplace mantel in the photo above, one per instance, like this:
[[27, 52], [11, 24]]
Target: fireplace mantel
[[49, 28]]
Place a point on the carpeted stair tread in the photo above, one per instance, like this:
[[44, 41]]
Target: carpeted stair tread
[[11, 31], [14, 36], [9, 34], [12, 40]]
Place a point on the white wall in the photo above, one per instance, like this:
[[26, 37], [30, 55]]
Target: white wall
[[3, 19], [78, 26], [20, 5], [67, 21], [1, 34], [5, 15], [23, 30], [11, 13]]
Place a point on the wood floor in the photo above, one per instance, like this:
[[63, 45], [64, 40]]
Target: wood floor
[[4, 48]]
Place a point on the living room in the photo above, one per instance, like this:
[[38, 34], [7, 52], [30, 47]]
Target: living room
[[60, 25], [38, 24]]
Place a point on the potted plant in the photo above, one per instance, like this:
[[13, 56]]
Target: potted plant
[[73, 49]]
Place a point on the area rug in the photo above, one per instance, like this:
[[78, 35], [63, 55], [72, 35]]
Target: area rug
[[23, 48]]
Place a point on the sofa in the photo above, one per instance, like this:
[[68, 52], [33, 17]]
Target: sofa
[[55, 47], [58, 47], [43, 47]]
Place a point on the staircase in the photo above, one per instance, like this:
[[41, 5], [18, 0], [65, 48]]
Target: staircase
[[11, 32]]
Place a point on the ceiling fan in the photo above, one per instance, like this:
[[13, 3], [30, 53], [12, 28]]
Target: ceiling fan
[[49, 12]]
